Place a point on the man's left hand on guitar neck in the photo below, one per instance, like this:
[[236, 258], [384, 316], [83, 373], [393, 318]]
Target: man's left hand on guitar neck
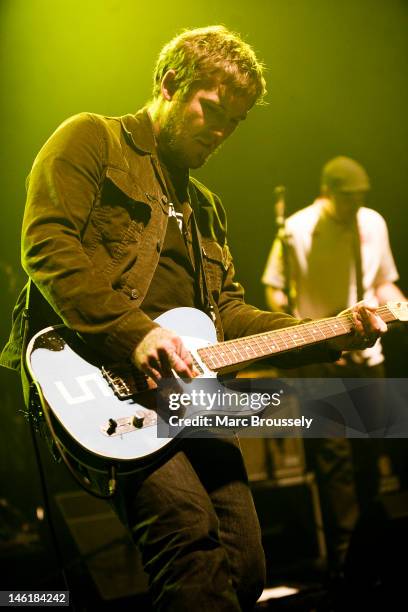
[[368, 328]]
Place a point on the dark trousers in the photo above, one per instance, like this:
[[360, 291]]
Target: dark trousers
[[194, 520], [346, 470]]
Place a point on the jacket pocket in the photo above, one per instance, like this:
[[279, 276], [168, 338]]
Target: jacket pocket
[[119, 218], [116, 230], [214, 252], [216, 262]]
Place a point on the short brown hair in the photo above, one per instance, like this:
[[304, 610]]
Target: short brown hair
[[202, 54]]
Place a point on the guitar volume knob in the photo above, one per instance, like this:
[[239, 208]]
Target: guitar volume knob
[[138, 420], [112, 427]]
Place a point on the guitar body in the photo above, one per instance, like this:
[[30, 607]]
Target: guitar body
[[81, 401]]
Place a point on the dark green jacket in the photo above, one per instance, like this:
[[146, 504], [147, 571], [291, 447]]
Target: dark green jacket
[[94, 224]]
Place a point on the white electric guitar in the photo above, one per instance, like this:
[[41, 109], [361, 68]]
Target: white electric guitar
[[104, 414]]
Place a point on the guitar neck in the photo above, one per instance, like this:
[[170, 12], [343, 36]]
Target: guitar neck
[[234, 353]]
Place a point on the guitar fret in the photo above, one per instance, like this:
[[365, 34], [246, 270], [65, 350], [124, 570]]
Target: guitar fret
[[309, 336], [387, 315], [280, 338], [293, 337]]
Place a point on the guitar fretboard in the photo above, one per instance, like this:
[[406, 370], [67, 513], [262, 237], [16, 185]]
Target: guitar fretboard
[[234, 352]]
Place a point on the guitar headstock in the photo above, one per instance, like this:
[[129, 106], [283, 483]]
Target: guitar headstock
[[399, 310]]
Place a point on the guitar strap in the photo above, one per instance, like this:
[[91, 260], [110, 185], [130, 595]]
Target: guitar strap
[[198, 255], [357, 260]]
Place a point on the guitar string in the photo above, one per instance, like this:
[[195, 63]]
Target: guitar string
[[232, 351]]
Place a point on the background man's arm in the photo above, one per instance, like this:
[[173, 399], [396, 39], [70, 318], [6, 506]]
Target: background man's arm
[[389, 292]]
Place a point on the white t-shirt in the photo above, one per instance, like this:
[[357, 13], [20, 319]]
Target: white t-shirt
[[322, 263]]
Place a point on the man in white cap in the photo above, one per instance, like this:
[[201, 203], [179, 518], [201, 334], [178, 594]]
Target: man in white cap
[[338, 254]]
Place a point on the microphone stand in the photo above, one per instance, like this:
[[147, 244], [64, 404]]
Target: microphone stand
[[284, 238]]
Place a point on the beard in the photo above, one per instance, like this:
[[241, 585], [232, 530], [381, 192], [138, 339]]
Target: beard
[[176, 143]]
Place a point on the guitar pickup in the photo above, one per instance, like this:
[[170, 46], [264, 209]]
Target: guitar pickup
[[140, 420], [197, 365]]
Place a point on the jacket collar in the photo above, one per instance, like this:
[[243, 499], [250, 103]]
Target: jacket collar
[[139, 130]]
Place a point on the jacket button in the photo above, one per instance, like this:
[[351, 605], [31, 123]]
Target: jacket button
[[133, 294]]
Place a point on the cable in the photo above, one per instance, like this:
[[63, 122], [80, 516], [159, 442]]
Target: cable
[[47, 507]]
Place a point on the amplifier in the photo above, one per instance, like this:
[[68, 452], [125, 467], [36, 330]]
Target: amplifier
[[291, 521]]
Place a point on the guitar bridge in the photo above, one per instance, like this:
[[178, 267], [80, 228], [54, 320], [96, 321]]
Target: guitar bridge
[[124, 380]]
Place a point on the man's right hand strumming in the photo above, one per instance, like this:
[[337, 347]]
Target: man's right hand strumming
[[162, 351]]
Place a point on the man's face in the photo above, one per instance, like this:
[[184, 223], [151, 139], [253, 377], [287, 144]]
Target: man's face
[[194, 127], [346, 204]]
